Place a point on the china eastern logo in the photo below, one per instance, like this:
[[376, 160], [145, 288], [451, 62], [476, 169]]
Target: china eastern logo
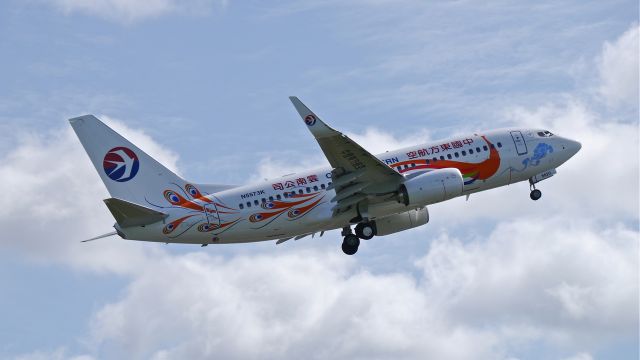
[[310, 120], [121, 164]]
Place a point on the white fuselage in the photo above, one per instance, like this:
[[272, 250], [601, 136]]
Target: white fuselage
[[301, 203]]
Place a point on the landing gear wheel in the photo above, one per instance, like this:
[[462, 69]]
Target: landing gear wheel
[[365, 231], [350, 244], [535, 194]]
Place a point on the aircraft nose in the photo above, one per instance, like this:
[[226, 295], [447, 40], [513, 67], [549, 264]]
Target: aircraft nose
[[572, 146]]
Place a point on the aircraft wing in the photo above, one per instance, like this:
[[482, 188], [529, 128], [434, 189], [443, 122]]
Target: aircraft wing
[[357, 174]]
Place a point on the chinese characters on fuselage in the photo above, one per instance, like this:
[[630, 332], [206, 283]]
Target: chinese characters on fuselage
[[418, 153]]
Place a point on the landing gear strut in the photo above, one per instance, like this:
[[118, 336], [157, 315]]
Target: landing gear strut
[[350, 243], [535, 193]]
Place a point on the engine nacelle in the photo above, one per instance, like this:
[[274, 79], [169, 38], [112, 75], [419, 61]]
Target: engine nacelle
[[431, 187], [403, 221]]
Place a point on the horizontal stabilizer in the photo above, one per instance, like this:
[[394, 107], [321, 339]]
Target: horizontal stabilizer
[[101, 236], [130, 214]]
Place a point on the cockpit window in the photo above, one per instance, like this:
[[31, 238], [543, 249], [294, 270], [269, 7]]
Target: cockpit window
[[545, 133]]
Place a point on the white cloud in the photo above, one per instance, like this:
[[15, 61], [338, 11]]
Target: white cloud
[[558, 262], [134, 10], [536, 281], [618, 67], [310, 305]]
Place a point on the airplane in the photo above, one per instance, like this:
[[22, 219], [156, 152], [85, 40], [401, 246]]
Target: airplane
[[362, 194]]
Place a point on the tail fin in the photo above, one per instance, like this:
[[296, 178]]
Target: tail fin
[[128, 172]]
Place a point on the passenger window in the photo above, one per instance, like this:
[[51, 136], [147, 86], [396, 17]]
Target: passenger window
[[427, 161], [286, 195], [434, 159], [270, 198], [322, 186], [256, 202], [248, 204], [464, 153], [485, 147], [477, 149], [406, 166], [456, 154], [414, 165], [448, 156], [441, 157], [278, 197], [300, 191], [329, 183], [264, 200], [241, 206], [315, 188], [499, 144], [308, 190], [470, 151]]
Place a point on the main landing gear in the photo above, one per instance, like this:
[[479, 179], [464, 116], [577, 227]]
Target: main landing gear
[[351, 242], [365, 230], [535, 193]]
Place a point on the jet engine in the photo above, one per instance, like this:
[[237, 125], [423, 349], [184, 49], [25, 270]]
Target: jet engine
[[431, 187], [403, 221]]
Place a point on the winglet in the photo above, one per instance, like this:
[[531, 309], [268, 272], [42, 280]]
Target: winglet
[[317, 127]]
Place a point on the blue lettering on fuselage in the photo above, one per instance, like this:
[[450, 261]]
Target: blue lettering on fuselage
[[390, 161]]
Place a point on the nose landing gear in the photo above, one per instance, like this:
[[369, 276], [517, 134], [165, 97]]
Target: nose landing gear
[[535, 193]]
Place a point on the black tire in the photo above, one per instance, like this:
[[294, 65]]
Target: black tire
[[349, 250], [351, 240], [350, 244], [365, 231], [535, 195]]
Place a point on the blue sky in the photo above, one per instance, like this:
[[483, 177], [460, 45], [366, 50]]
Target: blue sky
[[202, 85]]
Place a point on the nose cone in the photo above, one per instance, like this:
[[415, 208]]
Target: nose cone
[[572, 147]]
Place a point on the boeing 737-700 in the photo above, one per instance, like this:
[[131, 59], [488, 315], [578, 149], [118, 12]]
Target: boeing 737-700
[[363, 194]]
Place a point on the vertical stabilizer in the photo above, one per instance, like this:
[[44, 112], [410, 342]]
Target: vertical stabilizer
[[128, 172]]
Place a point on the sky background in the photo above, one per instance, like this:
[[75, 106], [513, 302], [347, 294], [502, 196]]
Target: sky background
[[202, 85]]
